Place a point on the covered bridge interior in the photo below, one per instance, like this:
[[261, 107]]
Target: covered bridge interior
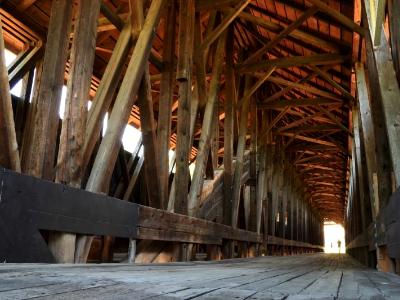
[[154, 131]]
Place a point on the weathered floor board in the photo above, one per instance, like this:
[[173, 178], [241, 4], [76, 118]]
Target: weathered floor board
[[315, 276]]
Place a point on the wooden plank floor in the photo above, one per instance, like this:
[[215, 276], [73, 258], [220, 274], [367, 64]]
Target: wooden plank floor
[[314, 276]]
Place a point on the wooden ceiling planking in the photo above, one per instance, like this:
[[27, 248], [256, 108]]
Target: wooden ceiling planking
[[334, 37]]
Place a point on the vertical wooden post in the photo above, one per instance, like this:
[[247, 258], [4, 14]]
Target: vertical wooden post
[[368, 133], [70, 156], [237, 178], [149, 140], [184, 76], [390, 92], [9, 155], [165, 102], [230, 101], [108, 150], [359, 170], [384, 164], [261, 185], [204, 143], [253, 166], [30, 119], [147, 122]]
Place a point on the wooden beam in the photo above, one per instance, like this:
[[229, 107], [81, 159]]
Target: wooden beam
[[184, 75], [367, 133], [297, 34], [106, 90], [390, 92], [41, 153], [112, 17], [312, 90], [287, 89], [165, 103], [25, 4], [148, 129], [308, 139], [329, 79], [211, 4], [334, 119], [312, 128], [241, 145], [296, 102], [107, 153], [375, 10], [204, 143], [338, 16], [358, 167], [70, 155], [28, 61], [256, 86], [212, 37], [9, 154], [295, 61], [283, 34], [230, 94], [147, 123]]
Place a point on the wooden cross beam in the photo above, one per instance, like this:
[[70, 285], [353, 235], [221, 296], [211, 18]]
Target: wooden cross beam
[[256, 86], [297, 34], [212, 37], [312, 90], [334, 119], [296, 102], [295, 61], [284, 33], [338, 16], [329, 79], [308, 139]]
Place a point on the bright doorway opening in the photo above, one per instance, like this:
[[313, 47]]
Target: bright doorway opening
[[334, 238]]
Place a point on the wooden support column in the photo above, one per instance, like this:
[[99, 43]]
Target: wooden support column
[[30, 118], [70, 156], [244, 116], [281, 197], [367, 127], [9, 154], [253, 166], [261, 181], [359, 170], [41, 150], [184, 76], [148, 128], [230, 102], [106, 90], [204, 143], [147, 123], [390, 93], [274, 191], [108, 150], [230, 17], [384, 164], [291, 205], [166, 96]]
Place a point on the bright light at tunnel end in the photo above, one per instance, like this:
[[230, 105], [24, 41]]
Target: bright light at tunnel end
[[334, 237]]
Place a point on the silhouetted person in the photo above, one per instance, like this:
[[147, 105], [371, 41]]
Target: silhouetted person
[[339, 243]]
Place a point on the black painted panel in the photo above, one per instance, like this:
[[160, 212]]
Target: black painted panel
[[28, 204]]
